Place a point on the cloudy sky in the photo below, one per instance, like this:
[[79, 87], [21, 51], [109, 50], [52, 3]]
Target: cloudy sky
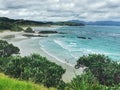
[[61, 10]]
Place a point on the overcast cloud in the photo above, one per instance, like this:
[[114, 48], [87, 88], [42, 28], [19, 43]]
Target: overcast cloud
[[61, 10]]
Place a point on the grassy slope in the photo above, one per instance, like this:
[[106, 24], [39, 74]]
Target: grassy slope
[[7, 83]]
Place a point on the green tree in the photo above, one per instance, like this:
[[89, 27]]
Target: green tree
[[35, 68], [106, 70], [7, 49]]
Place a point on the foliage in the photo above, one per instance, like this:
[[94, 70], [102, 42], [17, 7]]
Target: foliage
[[29, 30], [103, 68], [87, 81], [3, 62], [35, 68], [7, 83], [37, 23], [16, 28], [5, 26], [9, 26], [7, 49]]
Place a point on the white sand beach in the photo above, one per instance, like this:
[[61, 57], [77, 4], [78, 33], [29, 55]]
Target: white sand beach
[[8, 32], [26, 50]]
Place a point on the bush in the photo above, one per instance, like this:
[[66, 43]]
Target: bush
[[29, 30], [7, 49], [35, 68], [87, 81], [16, 28], [5, 26], [9, 26], [103, 68]]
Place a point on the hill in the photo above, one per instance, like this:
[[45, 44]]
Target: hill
[[101, 23], [105, 23], [30, 22]]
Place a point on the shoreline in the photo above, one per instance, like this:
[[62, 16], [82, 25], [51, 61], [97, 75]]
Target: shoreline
[[71, 72]]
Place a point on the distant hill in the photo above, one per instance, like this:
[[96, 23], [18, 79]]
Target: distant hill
[[105, 23], [78, 21], [30, 22], [68, 23], [20, 21], [102, 23]]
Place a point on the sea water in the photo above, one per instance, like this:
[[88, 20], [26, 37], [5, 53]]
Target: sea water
[[70, 46]]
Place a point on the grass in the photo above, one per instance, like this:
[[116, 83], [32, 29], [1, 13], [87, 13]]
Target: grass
[[7, 83]]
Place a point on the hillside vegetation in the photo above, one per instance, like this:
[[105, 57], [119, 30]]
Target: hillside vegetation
[[7, 83], [14, 24]]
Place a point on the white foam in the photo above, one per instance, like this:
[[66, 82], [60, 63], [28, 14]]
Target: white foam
[[69, 47], [60, 43], [56, 57]]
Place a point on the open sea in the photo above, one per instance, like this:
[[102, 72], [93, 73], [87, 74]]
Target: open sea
[[71, 45]]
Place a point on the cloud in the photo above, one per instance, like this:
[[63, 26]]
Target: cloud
[[58, 10]]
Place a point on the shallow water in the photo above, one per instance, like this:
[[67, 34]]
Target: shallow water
[[68, 47]]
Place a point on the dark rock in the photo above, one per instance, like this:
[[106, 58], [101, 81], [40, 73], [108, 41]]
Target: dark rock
[[82, 37], [48, 32], [89, 38], [32, 35]]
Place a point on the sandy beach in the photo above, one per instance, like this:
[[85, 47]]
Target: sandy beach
[[26, 50]]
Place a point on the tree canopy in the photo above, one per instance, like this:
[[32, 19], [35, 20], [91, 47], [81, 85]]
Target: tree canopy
[[104, 69], [7, 49], [34, 68]]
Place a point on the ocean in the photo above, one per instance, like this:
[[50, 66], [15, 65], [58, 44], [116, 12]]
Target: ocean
[[77, 41]]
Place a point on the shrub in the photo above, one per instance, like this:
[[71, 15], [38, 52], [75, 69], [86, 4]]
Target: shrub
[[104, 69], [35, 68], [87, 81], [16, 28], [9, 26], [7, 49], [29, 30]]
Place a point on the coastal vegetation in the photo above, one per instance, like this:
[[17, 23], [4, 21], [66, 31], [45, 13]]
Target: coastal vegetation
[[103, 68], [7, 83], [87, 81], [34, 68], [15, 24], [9, 26], [101, 73], [29, 30], [7, 49]]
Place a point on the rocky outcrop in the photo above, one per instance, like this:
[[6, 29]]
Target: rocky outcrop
[[34, 35], [48, 32], [84, 37]]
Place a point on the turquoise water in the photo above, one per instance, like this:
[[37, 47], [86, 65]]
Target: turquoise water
[[68, 47]]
